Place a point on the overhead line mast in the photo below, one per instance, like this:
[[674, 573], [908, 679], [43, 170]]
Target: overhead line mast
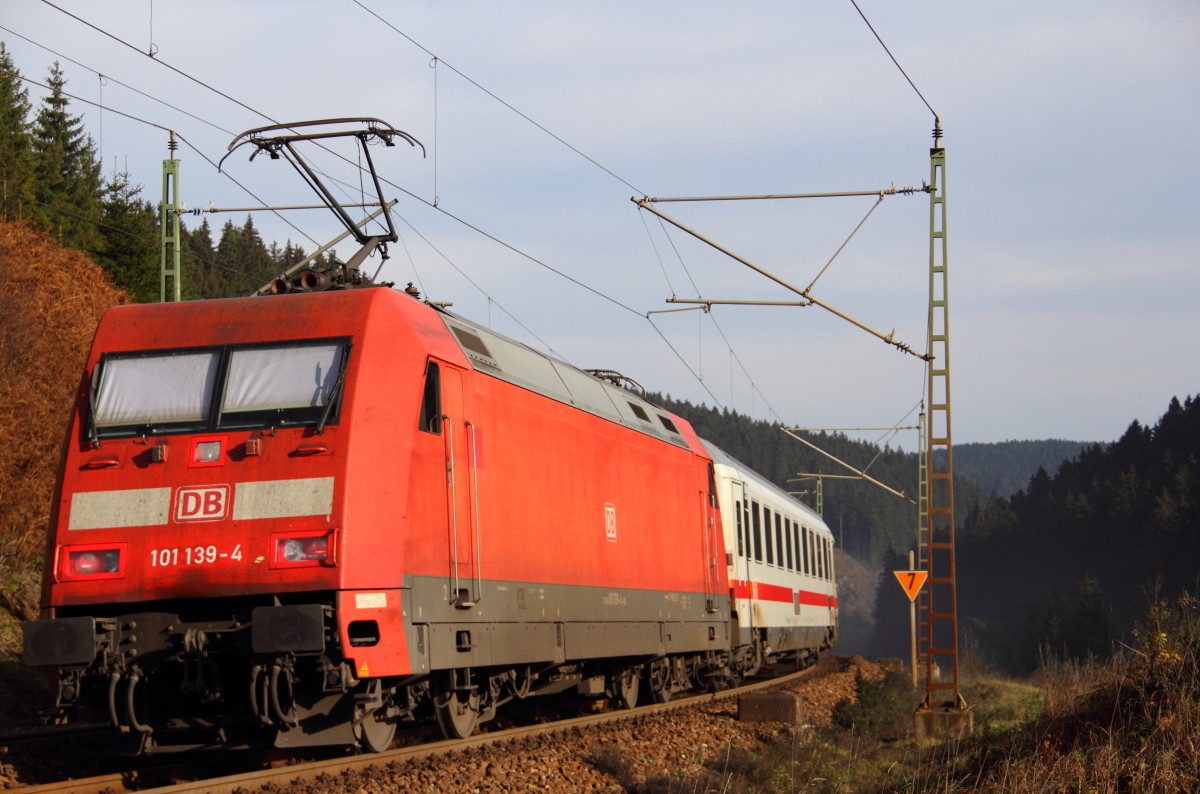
[[948, 712], [168, 223]]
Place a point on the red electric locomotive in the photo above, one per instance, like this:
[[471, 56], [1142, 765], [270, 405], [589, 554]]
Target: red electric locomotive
[[300, 519], [297, 518]]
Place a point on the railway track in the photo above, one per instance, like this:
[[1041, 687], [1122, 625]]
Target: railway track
[[184, 777]]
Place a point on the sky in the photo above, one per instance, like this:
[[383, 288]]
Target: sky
[[1070, 182]]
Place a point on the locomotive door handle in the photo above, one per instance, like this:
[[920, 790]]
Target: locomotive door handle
[[460, 597], [452, 495], [311, 448], [473, 477]]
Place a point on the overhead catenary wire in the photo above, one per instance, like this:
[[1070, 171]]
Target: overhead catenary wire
[[152, 55], [893, 57], [454, 69], [741, 365], [437, 60], [152, 98], [189, 144], [434, 204]]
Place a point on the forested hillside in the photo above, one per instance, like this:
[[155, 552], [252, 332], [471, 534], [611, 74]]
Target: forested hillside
[[866, 520], [1074, 558]]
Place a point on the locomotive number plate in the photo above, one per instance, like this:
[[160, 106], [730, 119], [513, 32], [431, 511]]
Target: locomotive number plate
[[192, 555]]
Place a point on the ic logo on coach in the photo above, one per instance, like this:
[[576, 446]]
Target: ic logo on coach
[[202, 503]]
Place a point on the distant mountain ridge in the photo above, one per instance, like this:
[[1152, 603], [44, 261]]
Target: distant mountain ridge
[[865, 520], [1005, 467]]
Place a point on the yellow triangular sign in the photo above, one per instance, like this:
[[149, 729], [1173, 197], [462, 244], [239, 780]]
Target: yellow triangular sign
[[911, 582]]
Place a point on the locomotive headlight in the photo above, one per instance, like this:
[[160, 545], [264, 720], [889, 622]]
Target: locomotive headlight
[[302, 551], [293, 550], [91, 562], [208, 451]]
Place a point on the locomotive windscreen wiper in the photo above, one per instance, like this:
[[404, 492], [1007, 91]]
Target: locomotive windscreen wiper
[[335, 394]]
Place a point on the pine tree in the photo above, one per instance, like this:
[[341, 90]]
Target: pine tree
[[1090, 631], [131, 239], [257, 264], [198, 259], [229, 258], [68, 185], [16, 144]]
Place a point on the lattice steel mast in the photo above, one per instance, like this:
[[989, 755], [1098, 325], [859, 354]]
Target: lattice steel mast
[[940, 610]]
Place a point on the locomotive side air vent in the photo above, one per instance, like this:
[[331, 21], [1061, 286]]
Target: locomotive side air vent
[[473, 346], [668, 424], [640, 412]]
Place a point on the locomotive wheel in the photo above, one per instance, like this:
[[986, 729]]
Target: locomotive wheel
[[659, 677], [625, 687], [375, 733], [457, 711]]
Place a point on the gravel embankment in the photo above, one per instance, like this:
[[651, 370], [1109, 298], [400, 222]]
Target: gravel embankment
[[644, 755]]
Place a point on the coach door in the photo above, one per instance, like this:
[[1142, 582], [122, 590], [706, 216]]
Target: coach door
[[462, 491]]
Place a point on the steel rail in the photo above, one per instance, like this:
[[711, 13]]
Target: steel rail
[[309, 771]]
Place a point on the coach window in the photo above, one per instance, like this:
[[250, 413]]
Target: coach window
[[431, 402], [794, 543], [787, 537], [757, 532], [804, 549], [746, 523], [779, 539], [821, 557], [770, 544], [737, 517]]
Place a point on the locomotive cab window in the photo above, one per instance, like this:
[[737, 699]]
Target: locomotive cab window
[[153, 392], [431, 401], [282, 385], [194, 390]]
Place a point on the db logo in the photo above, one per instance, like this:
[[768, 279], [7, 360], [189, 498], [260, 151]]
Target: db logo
[[610, 522], [202, 503]]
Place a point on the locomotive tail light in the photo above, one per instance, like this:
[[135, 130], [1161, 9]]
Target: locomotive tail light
[[97, 561], [298, 551]]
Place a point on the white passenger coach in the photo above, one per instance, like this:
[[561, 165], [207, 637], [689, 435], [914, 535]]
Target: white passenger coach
[[780, 557]]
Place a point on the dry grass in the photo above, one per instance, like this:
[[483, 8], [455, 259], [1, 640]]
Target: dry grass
[[1126, 724]]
